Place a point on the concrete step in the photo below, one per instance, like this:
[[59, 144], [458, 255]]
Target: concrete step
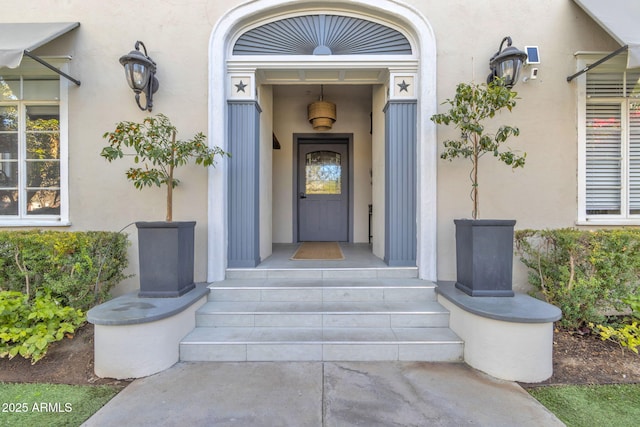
[[323, 273], [321, 344], [323, 314], [323, 290], [337, 319]]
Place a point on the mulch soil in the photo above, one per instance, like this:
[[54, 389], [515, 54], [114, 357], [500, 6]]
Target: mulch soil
[[69, 361], [577, 359], [587, 359]]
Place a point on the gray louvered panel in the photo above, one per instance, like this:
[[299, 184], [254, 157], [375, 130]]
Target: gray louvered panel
[[244, 212], [302, 35], [400, 183]]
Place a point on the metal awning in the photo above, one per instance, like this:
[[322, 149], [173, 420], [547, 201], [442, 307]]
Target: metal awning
[[18, 39], [620, 19]]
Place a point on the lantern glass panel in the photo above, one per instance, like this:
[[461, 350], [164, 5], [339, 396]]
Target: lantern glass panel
[[137, 75]]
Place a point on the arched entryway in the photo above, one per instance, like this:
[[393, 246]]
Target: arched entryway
[[251, 51]]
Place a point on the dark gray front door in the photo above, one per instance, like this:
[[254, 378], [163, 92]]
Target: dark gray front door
[[323, 193]]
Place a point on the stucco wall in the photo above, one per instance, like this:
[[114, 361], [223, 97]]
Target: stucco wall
[[177, 38], [176, 33], [266, 170], [544, 193], [378, 175]]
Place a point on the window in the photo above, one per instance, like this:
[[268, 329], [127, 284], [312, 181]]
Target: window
[[323, 172], [32, 147], [610, 145]]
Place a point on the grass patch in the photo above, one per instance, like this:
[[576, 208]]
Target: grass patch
[[51, 404], [594, 405]]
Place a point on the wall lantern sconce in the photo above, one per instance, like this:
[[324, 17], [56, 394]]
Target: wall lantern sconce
[[506, 64], [140, 72], [322, 114]]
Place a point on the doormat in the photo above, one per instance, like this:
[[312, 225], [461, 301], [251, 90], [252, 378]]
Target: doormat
[[318, 251]]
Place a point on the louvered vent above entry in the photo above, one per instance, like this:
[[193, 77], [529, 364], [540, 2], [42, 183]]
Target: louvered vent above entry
[[322, 35]]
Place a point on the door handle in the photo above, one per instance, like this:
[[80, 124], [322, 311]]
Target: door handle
[[302, 195]]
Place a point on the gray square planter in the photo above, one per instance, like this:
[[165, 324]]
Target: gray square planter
[[484, 257], [166, 256]]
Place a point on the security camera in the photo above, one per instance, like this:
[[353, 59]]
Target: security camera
[[532, 76]]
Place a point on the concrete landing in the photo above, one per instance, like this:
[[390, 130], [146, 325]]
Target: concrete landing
[[323, 394]]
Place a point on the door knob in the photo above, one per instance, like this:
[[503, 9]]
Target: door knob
[[302, 195]]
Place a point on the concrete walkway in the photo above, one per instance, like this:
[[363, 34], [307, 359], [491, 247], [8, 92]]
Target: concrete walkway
[[322, 394]]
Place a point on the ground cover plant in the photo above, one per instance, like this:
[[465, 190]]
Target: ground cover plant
[[594, 405], [29, 325], [27, 405], [627, 331]]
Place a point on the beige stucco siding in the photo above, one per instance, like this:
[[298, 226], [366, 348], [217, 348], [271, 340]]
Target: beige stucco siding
[[177, 35]]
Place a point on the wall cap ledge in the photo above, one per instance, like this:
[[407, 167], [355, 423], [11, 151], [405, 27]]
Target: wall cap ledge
[[517, 309], [130, 309]]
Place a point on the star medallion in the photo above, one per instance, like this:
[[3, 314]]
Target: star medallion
[[240, 87]]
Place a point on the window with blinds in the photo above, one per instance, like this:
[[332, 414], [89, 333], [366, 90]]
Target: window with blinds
[[612, 169]]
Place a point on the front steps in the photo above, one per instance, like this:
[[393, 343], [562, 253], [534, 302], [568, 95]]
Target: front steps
[[322, 315]]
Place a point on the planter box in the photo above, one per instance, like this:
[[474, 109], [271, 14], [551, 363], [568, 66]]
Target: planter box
[[166, 254], [484, 257]]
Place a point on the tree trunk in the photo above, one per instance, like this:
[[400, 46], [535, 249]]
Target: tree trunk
[[474, 190], [170, 182]]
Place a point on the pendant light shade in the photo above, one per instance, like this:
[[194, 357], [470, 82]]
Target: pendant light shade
[[322, 114]]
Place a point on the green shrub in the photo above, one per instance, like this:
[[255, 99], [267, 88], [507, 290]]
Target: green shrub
[[627, 334], [585, 273], [27, 327], [634, 305], [79, 268]]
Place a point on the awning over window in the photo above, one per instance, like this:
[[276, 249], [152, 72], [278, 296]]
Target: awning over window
[[16, 38], [621, 19]]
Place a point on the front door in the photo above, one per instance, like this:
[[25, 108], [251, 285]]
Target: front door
[[323, 192]]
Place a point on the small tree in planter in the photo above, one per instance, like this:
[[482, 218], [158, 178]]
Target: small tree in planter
[[165, 248], [155, 145], [481, 272]]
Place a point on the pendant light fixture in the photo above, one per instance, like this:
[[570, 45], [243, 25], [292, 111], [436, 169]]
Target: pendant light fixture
[[322, 114]]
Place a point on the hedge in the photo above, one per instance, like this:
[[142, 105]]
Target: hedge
[[587, 274], [78, 268]]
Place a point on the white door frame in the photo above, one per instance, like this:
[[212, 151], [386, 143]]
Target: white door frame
[[393, 13]]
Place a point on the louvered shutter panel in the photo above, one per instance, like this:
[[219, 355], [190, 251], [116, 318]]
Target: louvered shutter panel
[[604, 160], [605, 85], [633, 84], [634, 159]]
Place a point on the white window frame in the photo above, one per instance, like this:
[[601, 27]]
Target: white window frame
[[61, 220], [624, 218]]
